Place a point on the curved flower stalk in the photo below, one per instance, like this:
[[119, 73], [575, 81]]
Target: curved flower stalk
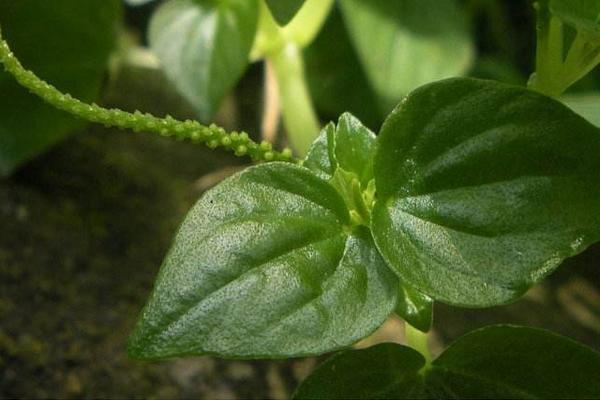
[[212, 136]]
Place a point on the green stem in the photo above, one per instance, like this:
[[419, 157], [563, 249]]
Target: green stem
[[213, 136], [299, 116], [418, 341], [549, 55], [305, 26]]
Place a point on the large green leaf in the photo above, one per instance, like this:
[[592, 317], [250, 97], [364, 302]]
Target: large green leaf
[[483, 189], [284, 10], [580, 14], [265, 265], [343, 154], [516, 362], [384, 371], [494, 362], [66, 42], [405, 44], [204, 46]]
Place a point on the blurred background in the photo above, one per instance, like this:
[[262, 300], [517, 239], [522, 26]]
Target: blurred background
[[87, 213]]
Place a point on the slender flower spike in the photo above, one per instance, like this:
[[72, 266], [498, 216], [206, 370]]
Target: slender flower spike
[[213, 136]]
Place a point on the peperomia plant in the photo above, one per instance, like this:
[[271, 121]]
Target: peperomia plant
[[472, 192]]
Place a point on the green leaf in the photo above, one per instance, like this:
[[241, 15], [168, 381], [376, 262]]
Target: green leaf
[[580, 14], [414, 307], [284, 10], [355, 148], [321, 156], [265, 266], [384, 371], [67, 43], [516, 362], [401, 47], [204, 47], [494, 362], [585, 104], [349, 146], [483, 189]]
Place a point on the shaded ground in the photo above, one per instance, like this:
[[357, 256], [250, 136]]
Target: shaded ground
[[83, 232]]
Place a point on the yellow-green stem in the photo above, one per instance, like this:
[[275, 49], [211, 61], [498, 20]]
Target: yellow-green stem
[[418, 341], [299, 116]]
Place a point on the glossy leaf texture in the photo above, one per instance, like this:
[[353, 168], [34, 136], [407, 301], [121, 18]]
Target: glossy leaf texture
[[41, 34], [344, 152], [401, 47], [496, 362], [348, 145], [204, 47], [384, 371], [414, 307], [265, 266], [284, 10], [516, 362], [580, 14], [483, 189]]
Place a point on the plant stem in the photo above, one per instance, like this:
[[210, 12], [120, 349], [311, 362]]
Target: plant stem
[[213, 136], [555, 73], [272, 107], [418, 341], [305, 26], [549, 56], [299, 116], [282, 48]]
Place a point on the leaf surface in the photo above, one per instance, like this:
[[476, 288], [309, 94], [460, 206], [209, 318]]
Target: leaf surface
[[348, 145], [495, 362], [384, 371], [401, 47], [483, 189], [515, 362], [415, 307], [204, 47], [265, 266]]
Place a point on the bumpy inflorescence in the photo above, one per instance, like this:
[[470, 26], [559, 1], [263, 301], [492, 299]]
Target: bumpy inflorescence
[[213, 136]]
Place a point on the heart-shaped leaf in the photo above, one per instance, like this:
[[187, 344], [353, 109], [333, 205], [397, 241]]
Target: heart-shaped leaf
[[67, 43], [204, 46], [483, 189], [284, 10], [496, 362], [265, 265]]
